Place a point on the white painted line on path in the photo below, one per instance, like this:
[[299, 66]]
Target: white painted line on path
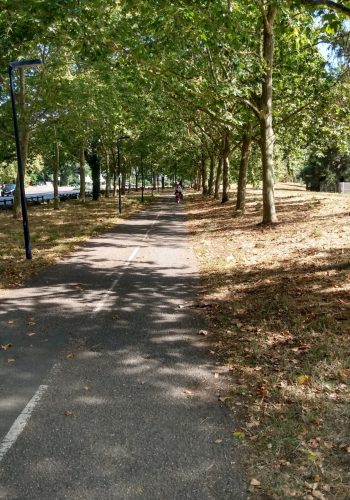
[[133, 254], [20, 422], [105, 296], [131, 257]]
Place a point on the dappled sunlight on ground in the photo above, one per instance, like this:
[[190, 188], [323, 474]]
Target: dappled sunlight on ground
[[278, 301]]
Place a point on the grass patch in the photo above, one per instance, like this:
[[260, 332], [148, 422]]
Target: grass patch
[[280, 322], [55, 233]]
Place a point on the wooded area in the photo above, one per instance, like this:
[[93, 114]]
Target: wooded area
[[212, 92]]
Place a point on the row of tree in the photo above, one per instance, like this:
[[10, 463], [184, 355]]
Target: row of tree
[[210, 91]]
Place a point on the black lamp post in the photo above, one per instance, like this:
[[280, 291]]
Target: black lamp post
[[12, 66], [119, 172]]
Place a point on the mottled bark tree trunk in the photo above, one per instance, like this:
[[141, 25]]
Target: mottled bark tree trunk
[[24, 134], [218, 177], [199, 179], [211, 174], [225, 168], [242, 178], [123, 185], [266, 126], [95, 165], [108, 177], [56, 168], [115, 175], [204, 174], [82, 173]]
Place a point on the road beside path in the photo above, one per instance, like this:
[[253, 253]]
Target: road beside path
[[128, 407]]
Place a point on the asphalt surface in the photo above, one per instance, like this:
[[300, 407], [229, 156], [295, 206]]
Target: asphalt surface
[[129, 406]]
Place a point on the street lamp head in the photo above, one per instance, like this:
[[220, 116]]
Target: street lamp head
[[27, 63]]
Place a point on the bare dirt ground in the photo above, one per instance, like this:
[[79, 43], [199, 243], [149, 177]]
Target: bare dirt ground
[[278, 302]]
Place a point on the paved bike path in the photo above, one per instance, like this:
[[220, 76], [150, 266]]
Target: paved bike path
[[127, 406]]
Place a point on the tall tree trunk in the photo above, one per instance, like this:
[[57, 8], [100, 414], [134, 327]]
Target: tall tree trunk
[[242, 178], [24, 134], [218, 177], [108, 177], [163, 182], [82, 173], [266, 129], [123, 184], [115, 177], [204, 173], [211, 174], [56, 167], [95, 165], [198, 179], [225, 168]]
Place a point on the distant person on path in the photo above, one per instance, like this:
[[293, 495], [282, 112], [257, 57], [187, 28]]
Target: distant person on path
[[179, 192]]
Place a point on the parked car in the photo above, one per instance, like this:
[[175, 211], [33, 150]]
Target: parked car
[[9, 190]]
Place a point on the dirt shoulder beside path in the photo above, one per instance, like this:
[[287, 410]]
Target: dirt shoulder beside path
[[277, 299], [56, 233]]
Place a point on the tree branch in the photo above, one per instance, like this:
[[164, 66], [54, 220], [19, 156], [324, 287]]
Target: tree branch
[[263, 13], [330, 4]]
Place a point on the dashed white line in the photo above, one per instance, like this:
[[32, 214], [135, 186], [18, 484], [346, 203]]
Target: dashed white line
[[133, 254], [101, 303], [105, 296], [23, 418], [20, 422]]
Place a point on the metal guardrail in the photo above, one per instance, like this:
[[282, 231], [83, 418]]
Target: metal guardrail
[[7, 201]]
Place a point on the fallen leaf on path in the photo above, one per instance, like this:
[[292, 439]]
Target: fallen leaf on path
[[314, 444], [115, 316], [318, 494], [6, 346], [303, 379], [203, 332], [31, 323], [218, 441], [238, 434], [186, 304], [70, 355], [11, 360], [68, 413], [344, 373], [30, 334], [311, 456], [262, 391], [189, 393], [255, 482], [86, 388], [10, 322], [222, 399]]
